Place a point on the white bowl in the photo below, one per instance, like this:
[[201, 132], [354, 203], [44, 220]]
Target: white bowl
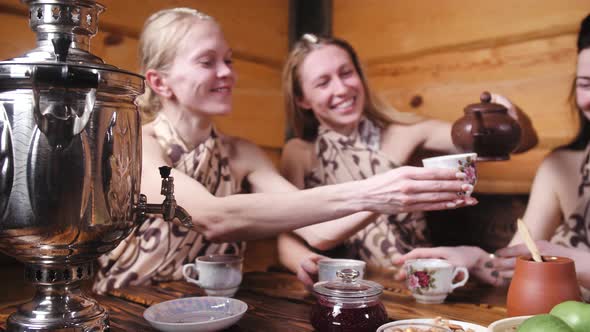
[[507, 324], [197, 314], [465, 325]]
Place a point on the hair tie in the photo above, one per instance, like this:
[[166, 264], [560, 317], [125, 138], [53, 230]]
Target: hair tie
[[310, 37]]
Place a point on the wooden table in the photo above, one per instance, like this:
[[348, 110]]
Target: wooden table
[[277, 301]]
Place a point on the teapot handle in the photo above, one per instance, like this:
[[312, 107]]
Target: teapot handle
[[477, 128]]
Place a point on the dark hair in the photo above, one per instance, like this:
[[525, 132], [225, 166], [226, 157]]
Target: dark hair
[[583, 138]]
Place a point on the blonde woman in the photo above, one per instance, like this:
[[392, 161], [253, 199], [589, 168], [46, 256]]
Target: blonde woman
[[188, 70], [344, 134]]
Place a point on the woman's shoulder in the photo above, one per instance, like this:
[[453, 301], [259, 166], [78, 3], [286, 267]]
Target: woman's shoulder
[[298, 156], [148, 129], [298, 146], [560, 165], [297, 149], [563, 159], [237, 146]]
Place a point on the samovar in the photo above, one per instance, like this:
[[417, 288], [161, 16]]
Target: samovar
[[70, 165]]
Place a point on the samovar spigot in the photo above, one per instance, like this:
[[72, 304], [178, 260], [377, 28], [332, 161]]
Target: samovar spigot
[[168, 209]]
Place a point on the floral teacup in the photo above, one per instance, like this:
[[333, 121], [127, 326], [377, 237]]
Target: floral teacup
[[464, 162], [431, 280]]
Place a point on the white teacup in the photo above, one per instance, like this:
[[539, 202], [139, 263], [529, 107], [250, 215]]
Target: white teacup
[[218, 275], [464, 162], [431, 280], [328, 267]]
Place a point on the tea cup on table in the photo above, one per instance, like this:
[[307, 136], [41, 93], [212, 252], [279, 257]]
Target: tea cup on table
[[218, 275], [431, 280], [464, 162], [328, 267]]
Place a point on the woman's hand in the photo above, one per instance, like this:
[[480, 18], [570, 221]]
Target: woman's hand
[[486, 267], [499, 99], [466, 256], [407, 189], [307, 272], [579, 256], [528, 137]]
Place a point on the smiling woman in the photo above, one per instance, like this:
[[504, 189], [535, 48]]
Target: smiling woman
[[344, 133], [188, 68]]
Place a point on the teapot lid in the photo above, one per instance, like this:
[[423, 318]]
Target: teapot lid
[[348, 286], [486, 105]]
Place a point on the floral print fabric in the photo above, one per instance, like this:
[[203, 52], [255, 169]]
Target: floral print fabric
[[156, 250], [574, 231], [356, 157]]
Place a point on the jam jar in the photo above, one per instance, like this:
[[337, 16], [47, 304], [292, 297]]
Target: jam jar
[[348, 304]]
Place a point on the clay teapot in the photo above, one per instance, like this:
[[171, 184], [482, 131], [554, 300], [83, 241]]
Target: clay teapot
[[487, 129]]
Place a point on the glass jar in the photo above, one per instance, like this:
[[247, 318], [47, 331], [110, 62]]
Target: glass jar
[[348, 304]]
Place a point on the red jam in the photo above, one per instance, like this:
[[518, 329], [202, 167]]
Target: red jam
[[334, 317]]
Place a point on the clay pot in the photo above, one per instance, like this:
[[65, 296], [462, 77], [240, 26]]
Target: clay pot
[[538, 286], [487, 129]]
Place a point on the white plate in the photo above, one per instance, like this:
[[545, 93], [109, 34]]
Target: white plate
[[507, 323], [197, 314], [465, 325]]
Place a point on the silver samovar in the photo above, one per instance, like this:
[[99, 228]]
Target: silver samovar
[[70, 165]]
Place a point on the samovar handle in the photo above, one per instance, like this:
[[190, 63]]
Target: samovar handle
[[62, 119], [168, 209]]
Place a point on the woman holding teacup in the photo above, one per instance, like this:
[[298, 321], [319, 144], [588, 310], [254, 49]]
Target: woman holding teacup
[[345, 134], [557, 211], [187, 64]]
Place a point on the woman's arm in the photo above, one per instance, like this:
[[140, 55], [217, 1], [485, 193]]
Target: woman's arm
[[297, 257], [435, 135], [543, 212], [249, 216]]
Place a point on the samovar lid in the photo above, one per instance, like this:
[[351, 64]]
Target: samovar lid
[[64, 29]]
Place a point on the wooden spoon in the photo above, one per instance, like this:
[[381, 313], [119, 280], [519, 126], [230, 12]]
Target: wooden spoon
[[528, 240]]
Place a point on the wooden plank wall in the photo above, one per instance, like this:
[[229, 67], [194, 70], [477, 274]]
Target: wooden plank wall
[[449, 51], [257, 30]]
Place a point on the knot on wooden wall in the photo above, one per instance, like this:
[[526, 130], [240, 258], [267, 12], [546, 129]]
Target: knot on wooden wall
[[113, 39], [416, 101]]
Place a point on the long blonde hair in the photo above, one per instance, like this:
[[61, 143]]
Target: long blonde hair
[[159, 42], [304, 123]]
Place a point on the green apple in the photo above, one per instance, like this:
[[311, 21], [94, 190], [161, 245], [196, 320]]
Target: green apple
[[575, 314], [544, 323]]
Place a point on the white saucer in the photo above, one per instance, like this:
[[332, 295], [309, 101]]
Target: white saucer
[[198, 314], [465, 325]]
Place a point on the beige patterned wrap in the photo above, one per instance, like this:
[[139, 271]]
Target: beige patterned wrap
[[156, 250], [356, 157], [574, 232]]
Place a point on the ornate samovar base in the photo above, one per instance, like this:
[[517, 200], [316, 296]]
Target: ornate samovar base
[[59, 304]]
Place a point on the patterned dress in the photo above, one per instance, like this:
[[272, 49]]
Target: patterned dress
[[156, 250], [356, 157], [574, 232]]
